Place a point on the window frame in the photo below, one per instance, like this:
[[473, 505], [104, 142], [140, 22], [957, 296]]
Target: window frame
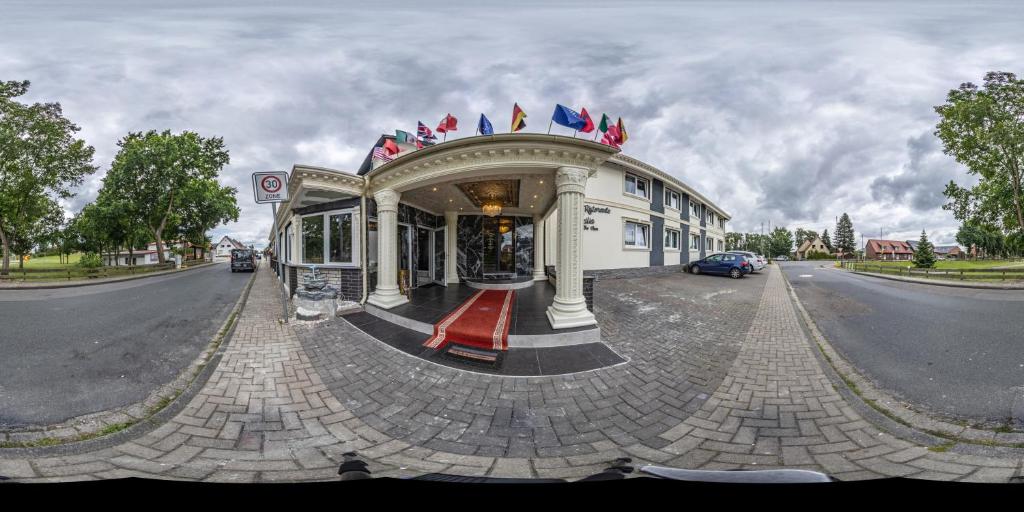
[[678, 197], [353, 262], [694, 209], [637, 179], [679, 236], [694, 242], [647, 235]]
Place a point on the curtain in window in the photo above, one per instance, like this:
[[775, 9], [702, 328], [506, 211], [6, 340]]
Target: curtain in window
[[641, 236]]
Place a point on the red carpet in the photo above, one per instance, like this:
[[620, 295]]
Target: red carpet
[[482, 322]]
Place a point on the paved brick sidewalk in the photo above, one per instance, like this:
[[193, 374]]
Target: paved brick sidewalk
[[266, 415]]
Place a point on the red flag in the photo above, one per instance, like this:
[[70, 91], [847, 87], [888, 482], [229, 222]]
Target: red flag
[[448, 124], [419, 145], [391, 147], [611, 137], [590, 122]]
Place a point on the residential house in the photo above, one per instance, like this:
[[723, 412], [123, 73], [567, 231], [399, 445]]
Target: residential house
[[810, 246], [888, 250], [945, 252], [225, 246]]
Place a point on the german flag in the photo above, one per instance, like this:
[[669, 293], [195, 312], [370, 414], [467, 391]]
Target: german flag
[[623, 137], [518, 118]]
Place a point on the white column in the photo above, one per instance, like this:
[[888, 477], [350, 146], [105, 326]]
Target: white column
[[569, 309], [387, 295], [451, 247], [538, 248]]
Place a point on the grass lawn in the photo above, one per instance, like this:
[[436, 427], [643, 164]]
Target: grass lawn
[[47, 262], [951, 264]]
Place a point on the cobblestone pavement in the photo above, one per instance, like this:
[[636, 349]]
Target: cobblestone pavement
[[286, 402]]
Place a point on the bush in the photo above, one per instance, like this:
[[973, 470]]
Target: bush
[[817, 255], [90, 260]]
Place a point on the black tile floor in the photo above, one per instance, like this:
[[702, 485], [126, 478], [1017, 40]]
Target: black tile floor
[[529, 313], [523, 362]]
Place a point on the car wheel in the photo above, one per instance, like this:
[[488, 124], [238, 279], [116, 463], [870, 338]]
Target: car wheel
[[695, 270], [735, 273]]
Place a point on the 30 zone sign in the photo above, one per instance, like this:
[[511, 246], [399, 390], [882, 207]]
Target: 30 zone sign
[[270, 187]]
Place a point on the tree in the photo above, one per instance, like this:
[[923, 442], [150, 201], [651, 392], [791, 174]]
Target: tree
[[169, 183], [983, 129], [40, 160], [734, 242], [780, 242], [25, 237], [924, 256], [803, 235], [826, 240], [845, 241]]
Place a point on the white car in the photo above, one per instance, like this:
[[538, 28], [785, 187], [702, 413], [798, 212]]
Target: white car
[[756, 260]]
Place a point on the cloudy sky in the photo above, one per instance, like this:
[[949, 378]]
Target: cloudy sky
[[790, 113]]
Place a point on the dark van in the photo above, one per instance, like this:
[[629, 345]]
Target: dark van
[[242, 259]]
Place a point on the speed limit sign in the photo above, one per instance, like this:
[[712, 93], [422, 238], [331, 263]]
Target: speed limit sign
[[270, 187]]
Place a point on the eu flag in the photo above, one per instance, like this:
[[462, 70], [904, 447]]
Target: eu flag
[[485, 127], [566, 116]]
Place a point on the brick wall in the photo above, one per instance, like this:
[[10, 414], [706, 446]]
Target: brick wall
[[348, 281]]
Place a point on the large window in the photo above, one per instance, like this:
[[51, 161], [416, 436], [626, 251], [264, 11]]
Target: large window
[[637, 235], [638, 186], [694, 210], [313, 239], [672, 199], [328, 238], [695, 242], [672, 238], [288, 243]]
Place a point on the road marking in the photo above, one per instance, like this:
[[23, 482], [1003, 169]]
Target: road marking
[[806, 275]]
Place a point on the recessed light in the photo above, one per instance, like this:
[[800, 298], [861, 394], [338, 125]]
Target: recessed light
[[541, 182], [435, 189], [535, 196], [450, 200], [531, 206]]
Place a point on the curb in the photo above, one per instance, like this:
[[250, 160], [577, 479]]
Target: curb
[[176, 393], [936, 282], [74, 284], [896, 413]]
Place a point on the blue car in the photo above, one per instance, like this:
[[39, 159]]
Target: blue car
[[732, 265]]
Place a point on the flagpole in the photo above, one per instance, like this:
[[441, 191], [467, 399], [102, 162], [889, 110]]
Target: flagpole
[[549, 126], [574, 133]]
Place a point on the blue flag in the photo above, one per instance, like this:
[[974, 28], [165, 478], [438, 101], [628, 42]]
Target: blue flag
[[566, 116], [485, 127]]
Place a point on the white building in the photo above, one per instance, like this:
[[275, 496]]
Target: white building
[[226, 244], [520, 208]]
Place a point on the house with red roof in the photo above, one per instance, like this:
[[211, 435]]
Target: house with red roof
[[896, 250]]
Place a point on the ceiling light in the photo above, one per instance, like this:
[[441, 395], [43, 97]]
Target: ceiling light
[[435, 189], [491, 208]]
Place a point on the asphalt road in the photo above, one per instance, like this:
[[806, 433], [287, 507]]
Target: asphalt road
[[71, 351], [953, 351]]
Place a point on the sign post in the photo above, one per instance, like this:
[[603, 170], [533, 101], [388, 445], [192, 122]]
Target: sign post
[[272, 187]]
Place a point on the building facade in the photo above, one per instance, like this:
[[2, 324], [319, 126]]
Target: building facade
[[887, 250], [809, 246], [226, 245], [556, 210]]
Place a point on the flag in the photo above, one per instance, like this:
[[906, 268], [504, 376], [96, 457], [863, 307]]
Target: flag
[[623, 136], [604, 123], [448, 124], [391, 147], [518, 118], [566, 116], [484, 126], [405, 137], [589, 126], [424, 132], [381, 154], [611, 136]]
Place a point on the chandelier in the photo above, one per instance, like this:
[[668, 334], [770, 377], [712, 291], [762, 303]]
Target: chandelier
[[491, 208]]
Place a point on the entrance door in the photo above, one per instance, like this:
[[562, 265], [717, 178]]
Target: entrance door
[[405, 255], [499, 248], [424, 256]]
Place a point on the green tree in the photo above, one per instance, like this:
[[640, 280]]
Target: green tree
[[734, 242], [983, 128], [845, 241], [826, 239], [169, 183], [924, 256], [40, 160], [803, 235], [780, 242]]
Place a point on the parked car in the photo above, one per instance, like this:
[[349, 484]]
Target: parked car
[[242, 259], [782, 258], [757, 262], [732, 265]]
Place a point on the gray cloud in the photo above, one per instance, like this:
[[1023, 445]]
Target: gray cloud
[[790, 113]]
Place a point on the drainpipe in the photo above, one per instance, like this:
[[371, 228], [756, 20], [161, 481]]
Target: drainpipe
[[365, 238]]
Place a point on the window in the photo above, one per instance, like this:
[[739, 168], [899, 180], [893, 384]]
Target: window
[[637, 186], [671, 238], [711, 218], [288, 243], [637, 234], [672, 199], [694, 210], [721, 224], [328, 238], [695, 242], [720, 245]]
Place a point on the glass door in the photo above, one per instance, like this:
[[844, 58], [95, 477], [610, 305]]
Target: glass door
[[499, 247], [405, 270], [424, 256], [439, 265]]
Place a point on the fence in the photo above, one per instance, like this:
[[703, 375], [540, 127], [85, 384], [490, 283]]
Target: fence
[[75, 272], [961, 274]]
